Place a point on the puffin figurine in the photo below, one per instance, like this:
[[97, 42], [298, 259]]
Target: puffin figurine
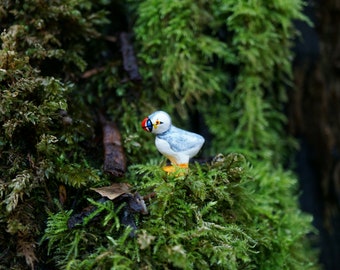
[[176, 144]]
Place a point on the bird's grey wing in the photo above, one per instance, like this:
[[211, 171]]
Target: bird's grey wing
[[182, 140]]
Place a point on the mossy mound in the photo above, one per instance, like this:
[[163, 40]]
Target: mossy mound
[[223, 215]]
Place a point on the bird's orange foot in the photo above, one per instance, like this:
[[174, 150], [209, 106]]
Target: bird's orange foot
[[174, 168]]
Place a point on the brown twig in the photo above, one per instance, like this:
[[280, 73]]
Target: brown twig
[[89, 73], [114, 157], [129, 58]]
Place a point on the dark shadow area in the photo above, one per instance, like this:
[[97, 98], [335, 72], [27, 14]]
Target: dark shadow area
[[314, 121]]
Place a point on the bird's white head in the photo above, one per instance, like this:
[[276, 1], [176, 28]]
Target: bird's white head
[[157, 122]]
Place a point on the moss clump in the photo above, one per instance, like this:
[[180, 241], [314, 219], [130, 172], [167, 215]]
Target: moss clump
[[224, 215], [39, 150]]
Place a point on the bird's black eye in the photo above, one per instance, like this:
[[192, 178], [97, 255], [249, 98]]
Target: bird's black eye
[[158, 122]]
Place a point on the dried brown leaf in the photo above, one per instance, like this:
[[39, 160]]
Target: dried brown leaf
[[113, 191]]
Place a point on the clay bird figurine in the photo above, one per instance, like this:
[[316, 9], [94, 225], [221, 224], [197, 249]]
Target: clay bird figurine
[[176, 144]]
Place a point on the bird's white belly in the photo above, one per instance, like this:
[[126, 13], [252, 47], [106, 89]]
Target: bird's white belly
[[175, 157]]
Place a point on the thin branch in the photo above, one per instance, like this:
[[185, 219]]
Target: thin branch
[[114, 157]]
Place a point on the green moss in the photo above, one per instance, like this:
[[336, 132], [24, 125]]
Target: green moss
[[227, 61], [228, 215]]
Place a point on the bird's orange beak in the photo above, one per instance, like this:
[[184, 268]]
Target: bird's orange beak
[[147, 124]]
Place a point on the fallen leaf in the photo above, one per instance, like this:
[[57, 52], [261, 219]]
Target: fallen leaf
[[113, 191]]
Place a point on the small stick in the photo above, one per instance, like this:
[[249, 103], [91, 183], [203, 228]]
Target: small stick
[[89, 73], [129, 58], [114, 157]]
